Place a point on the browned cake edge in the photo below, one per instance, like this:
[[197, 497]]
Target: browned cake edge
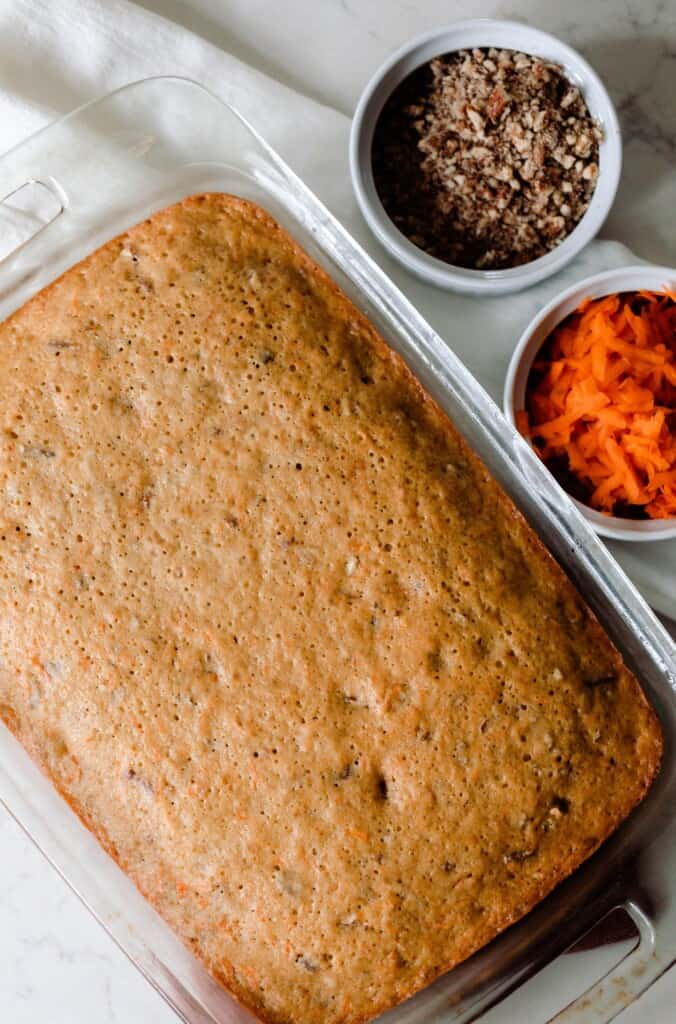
[[481, 937]]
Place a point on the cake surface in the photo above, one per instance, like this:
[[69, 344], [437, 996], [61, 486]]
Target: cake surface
[[276, 634]]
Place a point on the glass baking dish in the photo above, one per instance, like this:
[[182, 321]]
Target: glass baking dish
[[102, 169]]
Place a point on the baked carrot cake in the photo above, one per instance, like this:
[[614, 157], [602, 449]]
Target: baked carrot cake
[[276, 634]]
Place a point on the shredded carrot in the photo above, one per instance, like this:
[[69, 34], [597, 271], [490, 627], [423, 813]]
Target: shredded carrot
[[522, 424], [602, 398]]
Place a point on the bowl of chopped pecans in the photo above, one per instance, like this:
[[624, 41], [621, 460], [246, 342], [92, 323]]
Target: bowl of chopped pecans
[[485, 155]]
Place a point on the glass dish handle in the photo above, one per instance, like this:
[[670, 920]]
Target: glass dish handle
[[26, 210], [620, 986]]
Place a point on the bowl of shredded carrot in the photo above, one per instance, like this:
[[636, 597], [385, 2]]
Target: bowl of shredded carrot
[[592, 387]]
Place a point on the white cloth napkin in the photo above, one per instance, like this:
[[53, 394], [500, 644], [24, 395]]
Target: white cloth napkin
[[57, 54]]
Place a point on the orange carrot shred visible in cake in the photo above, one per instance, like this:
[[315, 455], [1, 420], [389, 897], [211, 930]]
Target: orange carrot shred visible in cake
[[604, 400]]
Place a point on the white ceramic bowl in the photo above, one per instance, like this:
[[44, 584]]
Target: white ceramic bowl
[[625, 279], [481, 32]]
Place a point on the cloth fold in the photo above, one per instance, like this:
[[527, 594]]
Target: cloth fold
[[57, 54]]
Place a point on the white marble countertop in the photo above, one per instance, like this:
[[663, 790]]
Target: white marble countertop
[[56, 963]]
